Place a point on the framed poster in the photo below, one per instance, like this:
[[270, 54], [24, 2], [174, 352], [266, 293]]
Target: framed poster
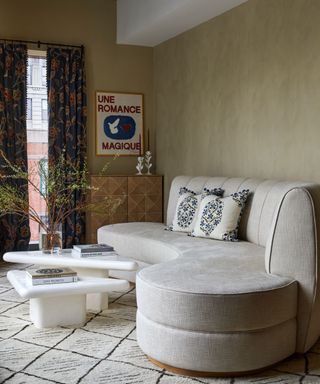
[[119, 124]]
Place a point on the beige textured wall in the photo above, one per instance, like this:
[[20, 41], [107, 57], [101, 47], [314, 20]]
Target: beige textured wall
[[240, 95], [109, 66]]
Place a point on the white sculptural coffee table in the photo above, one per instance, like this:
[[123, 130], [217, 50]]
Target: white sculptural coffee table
[[61, 304], [85, 266]]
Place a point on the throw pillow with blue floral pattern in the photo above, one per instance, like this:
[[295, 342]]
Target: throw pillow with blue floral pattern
[[187, 208], [219, 218]]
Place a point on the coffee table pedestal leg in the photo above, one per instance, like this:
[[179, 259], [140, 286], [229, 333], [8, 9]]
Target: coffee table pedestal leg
[[46, 312], [96, 302]]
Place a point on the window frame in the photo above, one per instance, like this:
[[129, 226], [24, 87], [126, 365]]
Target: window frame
[[44, 111], [44, 76], [29, 109], [29, 74]]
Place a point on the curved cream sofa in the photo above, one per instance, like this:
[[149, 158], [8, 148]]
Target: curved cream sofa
[[210, 306]]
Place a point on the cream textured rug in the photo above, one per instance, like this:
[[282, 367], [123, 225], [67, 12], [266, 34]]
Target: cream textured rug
[[104, 350]]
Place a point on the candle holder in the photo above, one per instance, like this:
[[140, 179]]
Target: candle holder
[[147, 160], [139, 166]]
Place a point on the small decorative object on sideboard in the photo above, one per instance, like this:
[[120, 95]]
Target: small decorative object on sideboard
[[147, 160], [139, 166], [45, 275], [91, 250]]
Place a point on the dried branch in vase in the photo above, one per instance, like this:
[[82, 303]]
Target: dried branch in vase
[[61, 181]]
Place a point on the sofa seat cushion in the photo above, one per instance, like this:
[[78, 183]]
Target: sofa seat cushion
[[146, 242], [150, 243], [221, 293]]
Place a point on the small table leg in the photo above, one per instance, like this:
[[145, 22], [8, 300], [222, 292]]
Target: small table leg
[[96, 302], [46, 312]]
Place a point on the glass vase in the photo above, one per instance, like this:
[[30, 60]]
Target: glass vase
[[50, 241]]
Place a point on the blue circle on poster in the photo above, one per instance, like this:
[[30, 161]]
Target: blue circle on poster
[[119, 127]]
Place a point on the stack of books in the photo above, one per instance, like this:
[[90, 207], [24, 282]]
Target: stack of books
[[92, 250], [51, 276]]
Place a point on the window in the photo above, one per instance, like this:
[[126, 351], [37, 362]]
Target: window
[[29, 108], [29, 74], [44, 74], [44, 109], [43, 172], [37, 133]]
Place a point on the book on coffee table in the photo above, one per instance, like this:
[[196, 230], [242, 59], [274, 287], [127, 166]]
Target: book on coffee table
[[88, 250], [45, 275], [109, 255]]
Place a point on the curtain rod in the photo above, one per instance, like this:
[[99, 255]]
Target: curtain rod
[[38, 43]]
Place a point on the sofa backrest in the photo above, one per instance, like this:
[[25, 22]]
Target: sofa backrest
[[283, 217], [260, 208]]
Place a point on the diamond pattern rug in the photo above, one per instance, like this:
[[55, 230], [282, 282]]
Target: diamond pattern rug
[[104, 350]]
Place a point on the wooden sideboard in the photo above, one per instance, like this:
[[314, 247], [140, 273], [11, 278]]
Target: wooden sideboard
[[142, 200]]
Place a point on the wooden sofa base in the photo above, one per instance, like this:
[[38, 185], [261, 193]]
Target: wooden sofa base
[[188, 372]]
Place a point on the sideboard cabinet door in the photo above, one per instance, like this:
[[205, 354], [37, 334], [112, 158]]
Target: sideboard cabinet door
[[141, 200]]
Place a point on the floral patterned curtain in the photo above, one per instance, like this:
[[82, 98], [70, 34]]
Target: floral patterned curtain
[[67, 123], [14, 230]]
